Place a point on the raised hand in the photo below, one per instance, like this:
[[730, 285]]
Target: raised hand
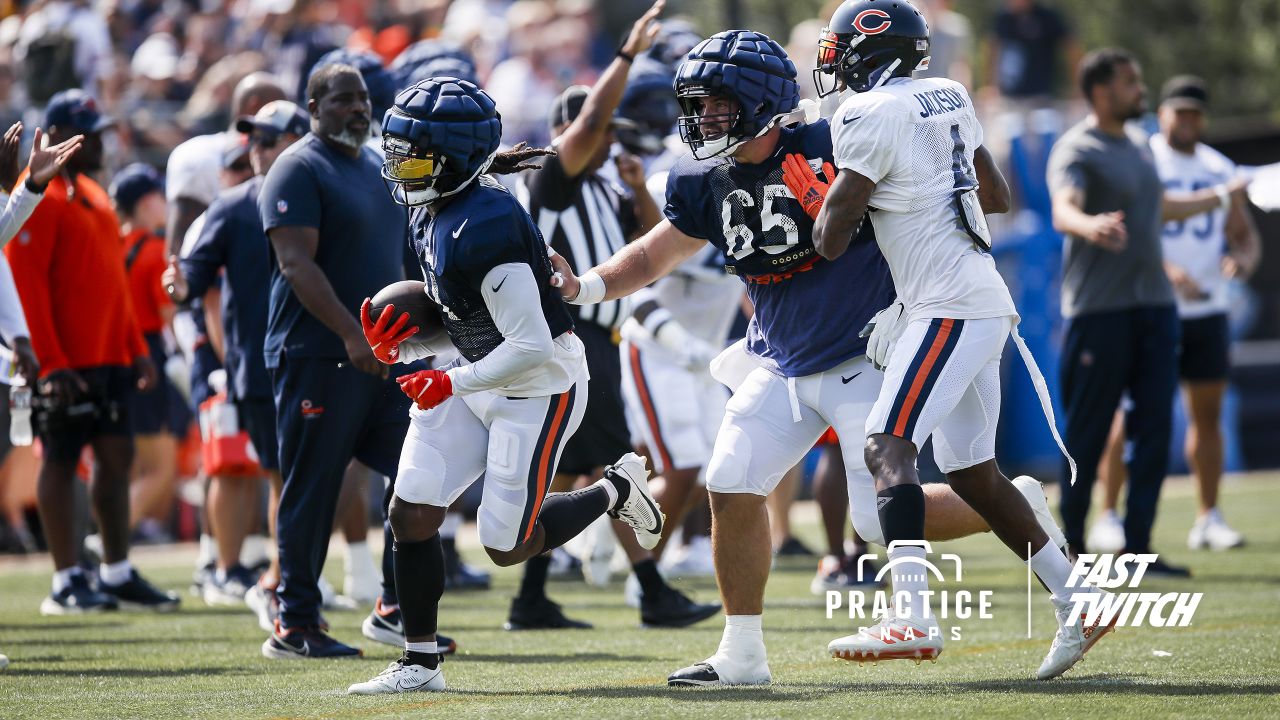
[[9, 167], [47, 162], [644, 30]]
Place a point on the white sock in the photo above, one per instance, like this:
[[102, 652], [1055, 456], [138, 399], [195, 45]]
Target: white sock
[[254, 551], [359, 559], [208, 550], [741, 646], [609, 490], [115, 573], [449, 527], [1051, 566], [910, 579], [62, 578], [428, 648]]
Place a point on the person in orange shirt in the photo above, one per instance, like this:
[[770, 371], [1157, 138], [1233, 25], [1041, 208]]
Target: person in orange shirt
[[159, 416], [68, 262]]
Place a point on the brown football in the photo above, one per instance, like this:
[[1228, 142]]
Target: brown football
[[409, 296]]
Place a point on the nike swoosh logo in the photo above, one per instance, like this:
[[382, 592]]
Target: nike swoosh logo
[[847, 380], [847, 120], [397, 627], [458, 232], [498, 287]]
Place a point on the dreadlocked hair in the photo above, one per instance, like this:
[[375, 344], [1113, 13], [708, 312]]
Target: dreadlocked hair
[[517, 159]]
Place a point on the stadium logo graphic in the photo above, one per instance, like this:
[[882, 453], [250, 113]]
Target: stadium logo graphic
[[1126, 609], [871, 606]]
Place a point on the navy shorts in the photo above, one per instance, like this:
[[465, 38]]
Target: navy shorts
[[65, 429], [160, 409], [258, 419], [1205, 352]]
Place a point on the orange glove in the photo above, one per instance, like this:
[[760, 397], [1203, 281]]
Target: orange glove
[[426, 388], [383, 340], [804, 183]]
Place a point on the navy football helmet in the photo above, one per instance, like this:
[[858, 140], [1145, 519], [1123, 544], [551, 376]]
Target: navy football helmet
[[743, 65], [440, 135], [650, 103], [381, 85], [432, 58], [868, 42]]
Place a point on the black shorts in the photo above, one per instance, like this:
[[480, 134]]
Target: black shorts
[[258, 419], [160, 409], [603, 436], [1205, 351], [65, 429]]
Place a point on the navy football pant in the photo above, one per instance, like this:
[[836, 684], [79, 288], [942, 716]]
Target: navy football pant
[[1103, 356], [326, 415]]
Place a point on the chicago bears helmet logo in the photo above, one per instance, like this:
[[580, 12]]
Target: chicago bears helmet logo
[[282, 207], [872, 22]]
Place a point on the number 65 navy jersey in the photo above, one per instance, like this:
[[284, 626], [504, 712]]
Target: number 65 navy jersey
[[482, 227], [808, 311]]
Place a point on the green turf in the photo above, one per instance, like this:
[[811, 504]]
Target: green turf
[[205, 663]]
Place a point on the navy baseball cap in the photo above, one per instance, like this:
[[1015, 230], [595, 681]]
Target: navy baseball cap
[[75, 110], [278, 117], [568, 106], [1185, 92], [132, 183]]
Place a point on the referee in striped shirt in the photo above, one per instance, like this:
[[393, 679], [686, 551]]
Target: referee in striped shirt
[[587, 219]]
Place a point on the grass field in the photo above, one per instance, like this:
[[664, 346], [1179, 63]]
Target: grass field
[[205, 663]]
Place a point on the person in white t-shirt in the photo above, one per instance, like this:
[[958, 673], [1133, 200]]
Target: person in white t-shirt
[[1201, 256], [911, 152]]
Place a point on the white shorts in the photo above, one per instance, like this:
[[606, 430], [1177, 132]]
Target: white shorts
[[943, 380], [514, 442], [771, 422], [672, 410]]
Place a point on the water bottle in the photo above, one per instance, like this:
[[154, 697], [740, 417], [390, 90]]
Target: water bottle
[[20, 415]]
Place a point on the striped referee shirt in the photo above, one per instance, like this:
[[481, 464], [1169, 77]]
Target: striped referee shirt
[[586, 219]]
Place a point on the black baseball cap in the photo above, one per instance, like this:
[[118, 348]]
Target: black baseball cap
[[569, 104], [1185, 92], [278, 116], [75, 110], [133, 183]]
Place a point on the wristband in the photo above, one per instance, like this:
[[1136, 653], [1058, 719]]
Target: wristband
[[590, 289], [32, 187], [1224, 197], [622, 55]]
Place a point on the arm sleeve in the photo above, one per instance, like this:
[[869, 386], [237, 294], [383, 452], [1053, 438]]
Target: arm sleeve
[[209, 253], [13, 324], [32, 263], [516, 309], [290, 195], [866, 138], [17, 211]]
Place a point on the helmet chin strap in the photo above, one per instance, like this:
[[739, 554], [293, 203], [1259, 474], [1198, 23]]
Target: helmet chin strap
[[887, 74]]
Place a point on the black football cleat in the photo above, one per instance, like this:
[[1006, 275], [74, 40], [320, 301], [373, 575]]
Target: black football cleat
[[304, 643], [671, 608], [460, 576], [792, 547], [76, 598], [540, 614], [138, 594]]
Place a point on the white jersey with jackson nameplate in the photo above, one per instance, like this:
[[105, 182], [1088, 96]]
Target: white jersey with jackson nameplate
[[915, 139], [1195, 244]]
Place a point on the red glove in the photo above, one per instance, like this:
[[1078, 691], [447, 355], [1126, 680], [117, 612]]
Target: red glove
[[427, 388], [385, 341], [804, 183]]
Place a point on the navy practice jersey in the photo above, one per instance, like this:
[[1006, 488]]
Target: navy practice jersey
[[809, 313], [481, 228]]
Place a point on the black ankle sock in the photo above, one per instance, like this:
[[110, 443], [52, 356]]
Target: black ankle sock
[[534, 583], [651, 582], [427, 660], [901, 512], [564, 515], [622, 485], [419, 568]]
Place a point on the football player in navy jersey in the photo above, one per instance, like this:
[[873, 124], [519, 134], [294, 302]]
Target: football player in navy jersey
[[803, 368], [506, 407]]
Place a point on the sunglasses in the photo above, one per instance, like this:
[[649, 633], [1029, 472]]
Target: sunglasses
[[240, 166], [266, 141]]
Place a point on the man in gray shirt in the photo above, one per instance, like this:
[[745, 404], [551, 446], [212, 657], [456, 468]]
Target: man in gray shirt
[[1122, 324]]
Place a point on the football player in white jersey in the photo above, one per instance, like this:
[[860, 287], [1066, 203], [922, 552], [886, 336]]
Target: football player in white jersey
[[1201, 255], [911, 151]]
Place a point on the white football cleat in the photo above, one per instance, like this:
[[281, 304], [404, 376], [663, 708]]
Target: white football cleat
[[719, 670], [893, 638], [1072, 641], [693, 559], [400, 676], [639, 510], [265, 605], [1033, 491], [1107, 534], [1213, 532]]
